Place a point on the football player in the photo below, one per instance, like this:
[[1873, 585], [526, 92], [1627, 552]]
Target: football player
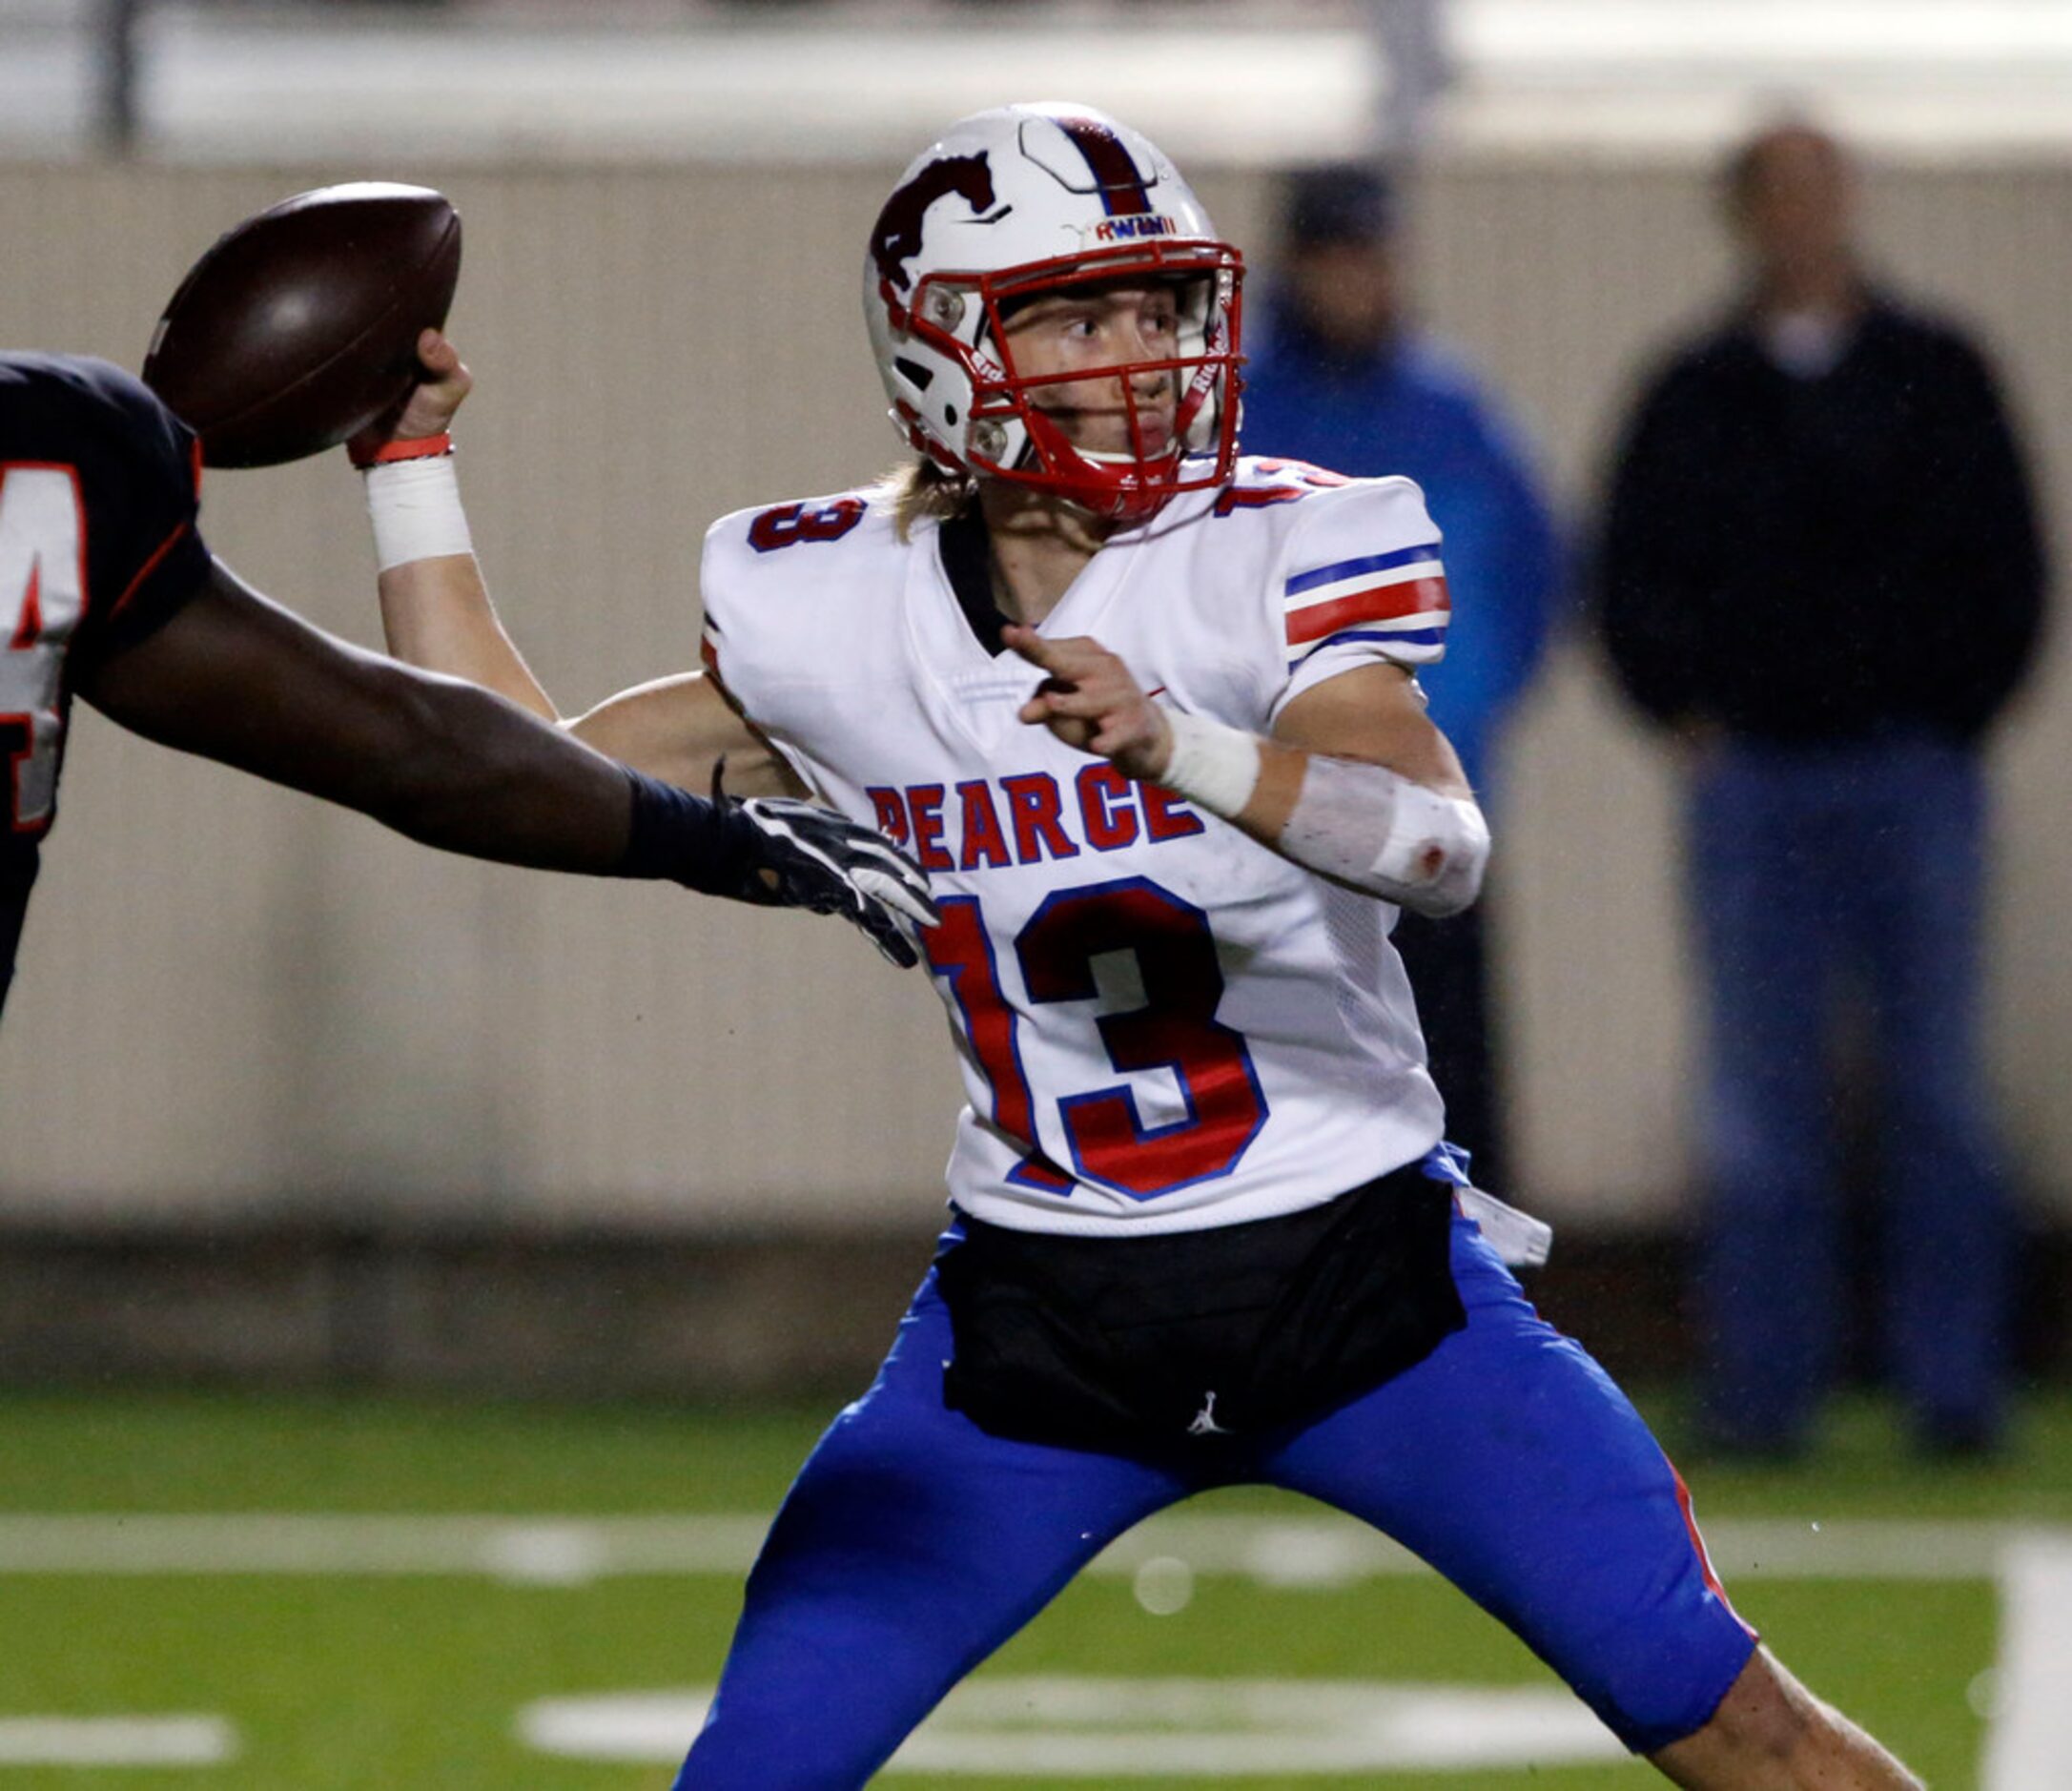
[[1147, 714], [107, 593]]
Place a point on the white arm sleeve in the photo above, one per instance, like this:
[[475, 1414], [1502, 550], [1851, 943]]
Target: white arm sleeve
[[1363, 824], [1379, 832]]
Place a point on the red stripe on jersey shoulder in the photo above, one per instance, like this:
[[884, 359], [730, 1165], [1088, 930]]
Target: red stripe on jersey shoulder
[[145, 570], [1385, 603]]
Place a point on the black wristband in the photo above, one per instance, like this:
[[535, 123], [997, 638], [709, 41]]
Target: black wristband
[[687, 840]]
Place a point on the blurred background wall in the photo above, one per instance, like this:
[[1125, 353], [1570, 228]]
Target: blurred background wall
[[237, 1010]]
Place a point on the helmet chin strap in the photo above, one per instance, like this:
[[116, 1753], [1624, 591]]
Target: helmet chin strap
[[1111, 486]]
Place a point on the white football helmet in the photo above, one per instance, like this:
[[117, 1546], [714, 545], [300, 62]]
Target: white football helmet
[[1022, 200]]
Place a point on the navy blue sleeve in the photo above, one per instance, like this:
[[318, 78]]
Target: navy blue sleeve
[[138, 472], [141, 478]]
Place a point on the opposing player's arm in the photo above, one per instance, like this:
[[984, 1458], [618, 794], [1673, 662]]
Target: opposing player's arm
[[1354, 782], [234, 677]]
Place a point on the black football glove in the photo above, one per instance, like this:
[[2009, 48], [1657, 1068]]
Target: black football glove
[[803, 856]]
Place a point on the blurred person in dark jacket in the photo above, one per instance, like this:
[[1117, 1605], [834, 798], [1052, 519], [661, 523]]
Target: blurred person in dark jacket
[[1343, 378], [1821, 573]]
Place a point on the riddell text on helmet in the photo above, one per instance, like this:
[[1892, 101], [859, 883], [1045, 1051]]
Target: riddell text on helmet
[[1134, 228]]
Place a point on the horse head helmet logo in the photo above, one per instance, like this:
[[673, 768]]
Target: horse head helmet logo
[[898, 239]]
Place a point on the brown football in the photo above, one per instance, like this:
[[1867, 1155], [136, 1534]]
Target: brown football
[[300, 325]]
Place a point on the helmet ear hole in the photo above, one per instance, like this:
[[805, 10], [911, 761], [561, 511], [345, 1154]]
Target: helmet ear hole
[[950, 414]]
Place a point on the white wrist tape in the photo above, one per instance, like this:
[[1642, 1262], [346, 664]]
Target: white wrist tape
[[1213, 766], [414, 507], [1403, 841]]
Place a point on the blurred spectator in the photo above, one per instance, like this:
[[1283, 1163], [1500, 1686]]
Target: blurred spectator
[[1339, 377], [1822, 574]]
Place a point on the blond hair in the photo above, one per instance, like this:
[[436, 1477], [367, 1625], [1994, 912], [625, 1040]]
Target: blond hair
[[922, 489]]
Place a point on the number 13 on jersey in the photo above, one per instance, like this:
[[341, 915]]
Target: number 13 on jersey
[[1176, 1030]]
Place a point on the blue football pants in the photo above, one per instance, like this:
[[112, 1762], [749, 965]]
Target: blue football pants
[[914, 1544]]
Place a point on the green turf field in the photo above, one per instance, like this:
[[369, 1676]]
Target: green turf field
[[416, 1595]]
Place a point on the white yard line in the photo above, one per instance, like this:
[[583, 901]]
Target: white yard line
[[1321, 1551], [116, 1741], [2030, 1743], [2030, 1738], [1065, 1726], [552, 1550]]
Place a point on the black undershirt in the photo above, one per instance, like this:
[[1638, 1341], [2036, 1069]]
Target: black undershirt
[[967, 562]]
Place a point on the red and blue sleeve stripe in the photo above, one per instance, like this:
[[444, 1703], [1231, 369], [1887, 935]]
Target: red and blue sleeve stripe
[[1396, 599]]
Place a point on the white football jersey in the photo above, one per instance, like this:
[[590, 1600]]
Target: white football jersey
[[1163, 1026]]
